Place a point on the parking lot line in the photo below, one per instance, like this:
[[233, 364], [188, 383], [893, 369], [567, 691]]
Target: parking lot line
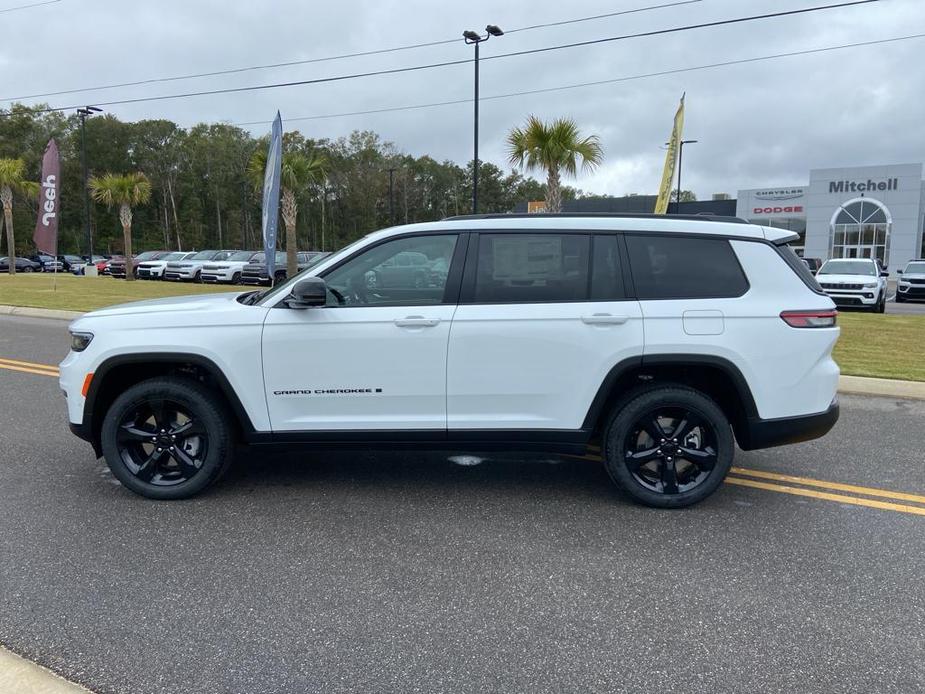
[[828, 496], [838, 486], [29, 368]]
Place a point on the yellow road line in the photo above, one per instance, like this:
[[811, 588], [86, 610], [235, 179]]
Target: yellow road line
[[838, 486], [841, 498], [28, 364], [24, 370]]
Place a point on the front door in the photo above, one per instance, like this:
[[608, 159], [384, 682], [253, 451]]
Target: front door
[[374, 357]]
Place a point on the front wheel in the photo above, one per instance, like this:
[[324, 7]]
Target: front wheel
[[236, 278], [167, 438], [668, 446], [27, 269], [881, 306]]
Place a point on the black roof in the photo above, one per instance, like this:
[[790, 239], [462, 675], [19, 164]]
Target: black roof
[[606, 215]]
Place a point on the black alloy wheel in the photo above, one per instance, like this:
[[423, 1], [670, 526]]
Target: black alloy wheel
[[161, 443], [236, 278], [28, 268], [668, 446], [168, 438]]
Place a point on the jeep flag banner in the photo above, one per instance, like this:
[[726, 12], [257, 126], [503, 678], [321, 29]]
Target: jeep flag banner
[[671, 161], [271, 178], [46, 226]]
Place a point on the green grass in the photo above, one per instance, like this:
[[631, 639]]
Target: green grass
[[88, 293], [883, 346]]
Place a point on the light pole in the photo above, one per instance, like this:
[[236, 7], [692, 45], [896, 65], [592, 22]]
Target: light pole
[[474, 38], [680, 158], [391, 197], [83, 113]]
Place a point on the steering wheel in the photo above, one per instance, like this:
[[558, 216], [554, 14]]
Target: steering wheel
[[357, 290]]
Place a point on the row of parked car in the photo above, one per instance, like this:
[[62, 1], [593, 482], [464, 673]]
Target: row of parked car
[[213, 266], [41, 262], [863, 283]]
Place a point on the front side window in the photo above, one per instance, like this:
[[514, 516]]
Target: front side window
[[532, 268], [384, 275], [684, 267]]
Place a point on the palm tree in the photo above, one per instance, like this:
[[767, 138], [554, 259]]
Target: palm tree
[[554, 147], [126, 191], [11, 179], [297, 172]]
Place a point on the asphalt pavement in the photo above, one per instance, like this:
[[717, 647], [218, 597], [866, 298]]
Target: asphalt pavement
[[406, 572]]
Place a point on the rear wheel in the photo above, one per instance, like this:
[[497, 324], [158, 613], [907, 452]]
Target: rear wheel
[[27, 269], [167, 438], [668, 446]]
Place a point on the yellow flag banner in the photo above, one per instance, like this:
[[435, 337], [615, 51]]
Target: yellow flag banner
[[671, 160]]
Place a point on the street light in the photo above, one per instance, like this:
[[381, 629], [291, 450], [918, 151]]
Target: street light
[[474, 38], [680, 158], [83, 114]]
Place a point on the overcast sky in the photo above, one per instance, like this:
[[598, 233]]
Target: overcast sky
[[758, 124]]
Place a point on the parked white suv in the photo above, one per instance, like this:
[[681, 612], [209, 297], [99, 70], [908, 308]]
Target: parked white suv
[[857, 282], [190, 269], [154, 269], [663, 340], [228, 270], [911, 284]]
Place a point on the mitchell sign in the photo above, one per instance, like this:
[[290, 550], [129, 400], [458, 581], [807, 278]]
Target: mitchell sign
[[862, 186]]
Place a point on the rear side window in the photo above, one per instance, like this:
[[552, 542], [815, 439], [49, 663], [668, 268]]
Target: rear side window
[[532, 268], [606, 269], [683, 267]]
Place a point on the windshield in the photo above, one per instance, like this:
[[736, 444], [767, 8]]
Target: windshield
[[848, 267], [147, 255], [241, 255], [174, 256], [203, 255], [915, 269], [286, 286]]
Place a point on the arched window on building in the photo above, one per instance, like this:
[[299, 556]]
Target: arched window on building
[[860, 228]]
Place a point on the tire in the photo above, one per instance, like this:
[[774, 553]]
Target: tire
[[639, 465], [900, 299], [150, 407], [27, 269], [236, 278], [881, 307]]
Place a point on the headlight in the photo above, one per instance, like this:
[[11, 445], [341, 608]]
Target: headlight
[[870, 285], [80, 341]]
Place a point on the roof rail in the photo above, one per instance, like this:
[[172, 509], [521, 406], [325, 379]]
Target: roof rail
[[704, 217]]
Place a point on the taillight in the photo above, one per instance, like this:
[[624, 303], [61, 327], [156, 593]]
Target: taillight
[[810, 319]]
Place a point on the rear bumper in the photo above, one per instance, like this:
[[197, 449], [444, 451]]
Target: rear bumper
[[766, 433]]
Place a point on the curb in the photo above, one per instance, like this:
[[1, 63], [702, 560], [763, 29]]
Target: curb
[[884, 387], [39, 312], [21, 676]]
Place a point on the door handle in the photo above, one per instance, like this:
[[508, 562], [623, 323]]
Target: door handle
[[416, 322], [604, 319]]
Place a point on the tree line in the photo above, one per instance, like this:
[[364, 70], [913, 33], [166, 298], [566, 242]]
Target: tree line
[[202, 194]]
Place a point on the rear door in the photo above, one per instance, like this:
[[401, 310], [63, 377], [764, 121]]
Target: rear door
[[542, 319]]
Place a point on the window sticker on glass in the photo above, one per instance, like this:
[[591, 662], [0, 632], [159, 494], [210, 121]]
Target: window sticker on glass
[[537, 259]]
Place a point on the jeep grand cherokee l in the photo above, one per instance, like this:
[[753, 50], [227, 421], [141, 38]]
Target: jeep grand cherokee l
[[659, 341]]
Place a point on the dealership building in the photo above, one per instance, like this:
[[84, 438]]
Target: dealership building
[[858, 212]]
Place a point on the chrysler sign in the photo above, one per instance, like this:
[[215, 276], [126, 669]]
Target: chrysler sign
[[779, 194]]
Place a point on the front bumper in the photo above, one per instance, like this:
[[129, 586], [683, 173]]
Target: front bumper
[[864, 297], [766, 433], [183, 275], [911, 291], [146, 273], [213, 276], [255, 280]]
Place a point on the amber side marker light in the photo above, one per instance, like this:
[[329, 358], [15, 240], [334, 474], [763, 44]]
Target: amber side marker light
[[87, 379], [810, 319]]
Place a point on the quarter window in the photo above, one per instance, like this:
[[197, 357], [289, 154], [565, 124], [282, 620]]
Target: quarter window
[[684, 267], [406, 271], [606, 270], [532, 268]]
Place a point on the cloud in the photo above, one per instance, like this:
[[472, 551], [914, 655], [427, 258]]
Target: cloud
[[757, 124]]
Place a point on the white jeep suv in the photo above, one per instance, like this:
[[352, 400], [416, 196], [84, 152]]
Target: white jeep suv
[[154, 269], [911, 284], [659, 341], [857, 282], [228, 270]]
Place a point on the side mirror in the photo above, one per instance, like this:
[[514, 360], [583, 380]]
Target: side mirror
[[308, 292], [884, 273], [899, 272]]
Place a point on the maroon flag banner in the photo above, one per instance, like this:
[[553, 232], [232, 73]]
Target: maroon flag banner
[[46, 226]]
